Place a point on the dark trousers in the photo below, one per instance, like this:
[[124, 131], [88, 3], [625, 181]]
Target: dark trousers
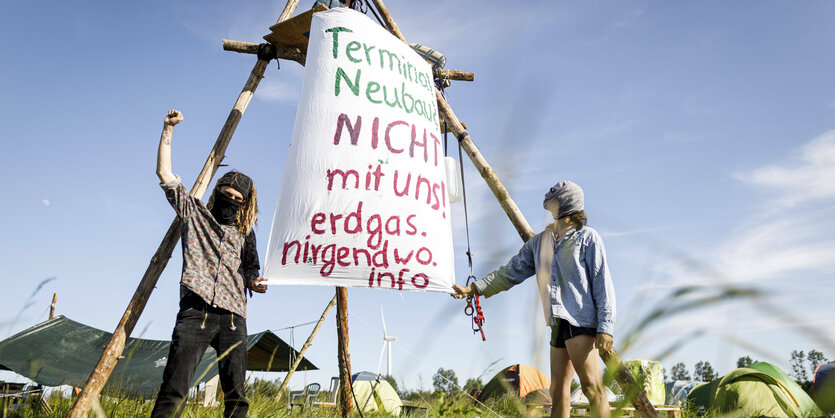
[[199, 326]]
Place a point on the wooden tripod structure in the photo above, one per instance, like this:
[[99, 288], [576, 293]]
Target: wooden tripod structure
[[113, 350]]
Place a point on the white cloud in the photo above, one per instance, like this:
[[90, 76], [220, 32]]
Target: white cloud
[[624, 233], [746, 323], [612, 129], [765, 250], [810, 177], [632, 17], [45, 202], [783, 253], [278, 90], [420, 24], [773, 244], [243, 21], [676, 137], [776, 248]]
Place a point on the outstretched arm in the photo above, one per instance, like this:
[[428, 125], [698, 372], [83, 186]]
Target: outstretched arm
[[164, 152], [519, 268]]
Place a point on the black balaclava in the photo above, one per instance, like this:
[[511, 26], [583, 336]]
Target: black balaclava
[[225, 209]]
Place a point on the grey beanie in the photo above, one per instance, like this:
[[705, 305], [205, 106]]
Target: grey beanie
[[565, 194]]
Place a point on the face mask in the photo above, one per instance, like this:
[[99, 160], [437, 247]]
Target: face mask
[[225, 209]]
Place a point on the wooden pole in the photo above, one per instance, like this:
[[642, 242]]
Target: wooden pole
[[634, 392], [623, 376], [455, 75], [292, 54], [52, 305], [496, 186], [343, 352], [508, 205], [116, 345], [305, 346], [295, 54], [390, 24]]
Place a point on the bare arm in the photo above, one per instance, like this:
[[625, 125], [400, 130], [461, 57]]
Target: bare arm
[[463, 292], [164, 152]]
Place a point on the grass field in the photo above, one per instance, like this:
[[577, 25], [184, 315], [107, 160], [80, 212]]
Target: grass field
[[266, 405]]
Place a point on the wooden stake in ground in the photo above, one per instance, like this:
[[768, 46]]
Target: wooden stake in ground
[[624, 377], [116, 345], [344, 354], [642, 405], [52, 306], [305, 346]]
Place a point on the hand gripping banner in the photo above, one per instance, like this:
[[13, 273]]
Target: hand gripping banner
[[363, 199]]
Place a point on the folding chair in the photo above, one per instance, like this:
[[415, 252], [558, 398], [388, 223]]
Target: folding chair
[[305, 397]]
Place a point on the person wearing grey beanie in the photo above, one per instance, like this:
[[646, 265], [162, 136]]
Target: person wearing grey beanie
[[564, 199], [577, 294]]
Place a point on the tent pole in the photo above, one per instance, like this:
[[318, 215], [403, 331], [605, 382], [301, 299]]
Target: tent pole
[[116, 345], [343, 352], [305, 346], [642, 405]]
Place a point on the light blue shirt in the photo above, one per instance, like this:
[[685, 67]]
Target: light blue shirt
[[581, 286]]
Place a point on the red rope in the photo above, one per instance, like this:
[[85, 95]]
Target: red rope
[[476, 314]]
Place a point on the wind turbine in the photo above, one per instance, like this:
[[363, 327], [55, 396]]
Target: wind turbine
[[386, 346]]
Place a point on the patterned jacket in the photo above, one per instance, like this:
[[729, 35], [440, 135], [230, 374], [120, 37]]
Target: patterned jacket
[[218, 262]]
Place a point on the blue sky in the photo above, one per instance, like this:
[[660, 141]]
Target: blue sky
[[702, 132]]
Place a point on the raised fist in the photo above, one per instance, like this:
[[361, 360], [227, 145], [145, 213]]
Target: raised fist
[[174, 117]]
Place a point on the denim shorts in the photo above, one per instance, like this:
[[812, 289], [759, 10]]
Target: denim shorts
[[564, 331]]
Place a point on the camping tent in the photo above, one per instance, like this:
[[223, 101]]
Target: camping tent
[[61, 351], [578, 397], [678, 390], [824, 386], [759, 389], [373, 393], [518, 380]]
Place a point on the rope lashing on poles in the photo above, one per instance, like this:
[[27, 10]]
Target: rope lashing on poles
[[268, 52], [363, 7]]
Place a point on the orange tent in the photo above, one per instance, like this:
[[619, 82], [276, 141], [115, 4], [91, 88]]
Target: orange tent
[[518, 380]]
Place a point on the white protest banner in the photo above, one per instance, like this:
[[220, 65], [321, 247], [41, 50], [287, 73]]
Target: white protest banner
[[363, 199]]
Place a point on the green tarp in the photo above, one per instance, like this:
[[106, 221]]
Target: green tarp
[[757, 390], [64, 352]]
